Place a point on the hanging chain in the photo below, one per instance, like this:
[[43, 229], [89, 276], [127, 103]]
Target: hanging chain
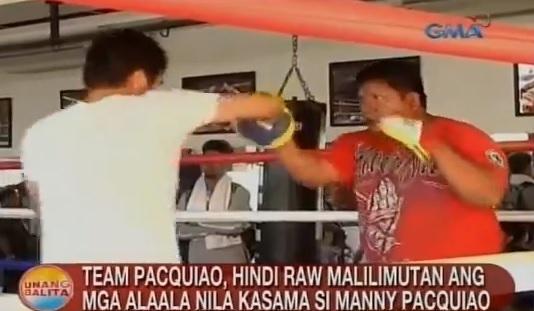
[[295, 58], [295, 68]]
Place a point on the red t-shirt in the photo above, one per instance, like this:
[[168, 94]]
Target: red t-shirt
[[407, 210]]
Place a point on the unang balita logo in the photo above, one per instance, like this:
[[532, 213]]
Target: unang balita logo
[[46, 288]]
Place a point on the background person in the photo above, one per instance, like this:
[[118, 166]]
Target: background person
[[520, 197], [215, 191]]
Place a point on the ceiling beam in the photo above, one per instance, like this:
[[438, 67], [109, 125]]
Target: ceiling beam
[[84, 37]]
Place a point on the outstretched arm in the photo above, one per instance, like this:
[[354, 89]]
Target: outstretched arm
[[306, 166], [172, 111], [315, 170], [242, 106]]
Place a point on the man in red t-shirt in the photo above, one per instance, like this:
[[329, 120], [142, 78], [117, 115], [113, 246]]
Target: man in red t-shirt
[[412, 209]]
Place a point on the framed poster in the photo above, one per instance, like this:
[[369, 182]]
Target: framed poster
[[70, 97], [6, 124], [524, 90], [345, 107], [240, 82]]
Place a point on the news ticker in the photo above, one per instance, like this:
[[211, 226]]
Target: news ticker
[[259, 287]]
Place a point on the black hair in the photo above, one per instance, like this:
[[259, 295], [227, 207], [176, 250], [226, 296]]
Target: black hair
[[114, 55], [400, 74], [218, 145], [519, 163]]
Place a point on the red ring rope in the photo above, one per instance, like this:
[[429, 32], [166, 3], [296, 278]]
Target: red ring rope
[[255, 157], [347, 20]]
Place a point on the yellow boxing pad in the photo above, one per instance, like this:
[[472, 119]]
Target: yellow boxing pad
[[272, 134], [287, 134]]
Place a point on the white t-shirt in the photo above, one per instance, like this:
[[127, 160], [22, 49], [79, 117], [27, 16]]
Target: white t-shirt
[[107, 175]]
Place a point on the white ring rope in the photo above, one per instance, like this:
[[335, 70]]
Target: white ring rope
[[271, 216], [519, 265]]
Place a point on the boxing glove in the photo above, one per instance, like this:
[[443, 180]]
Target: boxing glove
[[406, 131], [273, 134]]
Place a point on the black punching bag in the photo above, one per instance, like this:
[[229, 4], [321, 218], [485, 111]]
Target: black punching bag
[[292, 242]]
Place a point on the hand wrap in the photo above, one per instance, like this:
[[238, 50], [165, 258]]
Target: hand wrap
[[406, 131]]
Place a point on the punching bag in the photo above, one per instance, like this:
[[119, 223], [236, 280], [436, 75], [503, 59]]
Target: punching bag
[[292, 242]]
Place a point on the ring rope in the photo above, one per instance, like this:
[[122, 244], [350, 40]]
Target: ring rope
[[341, 20], [268, 156], [270, 216]]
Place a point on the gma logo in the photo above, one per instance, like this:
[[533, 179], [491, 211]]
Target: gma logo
[[439, 31]]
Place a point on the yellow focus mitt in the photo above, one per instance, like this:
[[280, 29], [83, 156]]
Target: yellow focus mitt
[[272, 134]]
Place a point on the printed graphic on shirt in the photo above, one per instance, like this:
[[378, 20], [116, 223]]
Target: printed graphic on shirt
[[381, 181], [405, 166], [495, 157], [383, 215]]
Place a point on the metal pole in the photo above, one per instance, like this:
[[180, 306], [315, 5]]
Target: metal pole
[[54, 22]]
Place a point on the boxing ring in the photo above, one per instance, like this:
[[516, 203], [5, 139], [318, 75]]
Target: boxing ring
[[519, 265], [341, 20]]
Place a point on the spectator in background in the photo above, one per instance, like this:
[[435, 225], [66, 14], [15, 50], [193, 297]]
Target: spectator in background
[[188, 175], [521, 182], [520, 196], [214, 191], [520, 235], [342, 198], [18, 237], [186, 180]]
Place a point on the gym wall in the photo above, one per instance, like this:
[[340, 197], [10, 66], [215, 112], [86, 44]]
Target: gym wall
[[480, 92]]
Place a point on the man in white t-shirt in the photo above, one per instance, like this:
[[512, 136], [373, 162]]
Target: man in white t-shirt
[[104, 170]]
